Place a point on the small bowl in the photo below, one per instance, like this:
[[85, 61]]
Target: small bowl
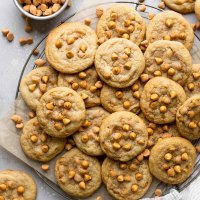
[[29, 15]]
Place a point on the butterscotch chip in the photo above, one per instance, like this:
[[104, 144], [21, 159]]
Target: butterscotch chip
[[122, 18], [167, 170], [187, 118], [5, 31], [99, 11], [79, 182], [158, 192], [10, 37], [124, 121]]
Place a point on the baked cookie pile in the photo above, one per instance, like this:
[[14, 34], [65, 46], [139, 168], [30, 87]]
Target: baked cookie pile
[[132, 106]]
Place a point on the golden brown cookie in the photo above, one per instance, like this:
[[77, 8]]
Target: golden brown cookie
[[172, 160], [197, 9]]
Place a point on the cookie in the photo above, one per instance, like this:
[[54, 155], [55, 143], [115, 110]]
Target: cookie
[[77, 174], [86, 83], [70, 48], [127, 99], [170, 25], [197, 9], [191, 87], [169, 59], [119, 62], [123, 135], [123, 21], [188, 118], [16, 185], [157, 132], [61, 112], [37, 145], [172, 160], [87, 137], [181, 6], [126, 180], [160, 100], [36, 83]]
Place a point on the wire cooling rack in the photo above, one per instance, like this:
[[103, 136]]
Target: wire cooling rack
[[90, 13]]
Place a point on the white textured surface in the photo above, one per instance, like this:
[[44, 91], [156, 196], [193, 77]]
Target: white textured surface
[[12, 59]]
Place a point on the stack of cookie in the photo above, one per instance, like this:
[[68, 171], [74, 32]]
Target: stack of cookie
[[120, 96]]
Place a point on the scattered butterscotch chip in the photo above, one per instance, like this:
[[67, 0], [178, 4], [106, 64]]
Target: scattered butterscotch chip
[[150, 16], [31, 114], [17, 119], [87, 21], [22, 41], [5, 32], [99, 198], [161, 5], [29, 40], [158, 192], [40, 62], [68, 146], [19, 126], [10, 37], [197, 148], [69, 3], [36, 52], [28, 28], [142, 8], [45, 167], [99, 11]]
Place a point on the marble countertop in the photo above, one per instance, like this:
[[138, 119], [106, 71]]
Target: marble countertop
[[12, 59]]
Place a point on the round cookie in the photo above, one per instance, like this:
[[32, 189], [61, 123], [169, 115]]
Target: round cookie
[[86, 83], [170, 25], [77, 174], [119, 62], [16, 185], [36, 83], [188, 118], [127, 99], [70, 48], [37, 145], [126, 180], [123, 21], [169, 59], [191, 87], [123, 135], [197, 9], [160, 100], [181, 6], [87, 137], [172, 160], [61, 112]]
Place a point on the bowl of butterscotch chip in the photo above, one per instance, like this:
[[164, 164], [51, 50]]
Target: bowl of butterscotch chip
[[41, 9]]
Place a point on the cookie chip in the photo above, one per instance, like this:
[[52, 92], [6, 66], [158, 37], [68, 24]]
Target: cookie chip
[[127, 99], [123, 135], [181, 6], [70, 48], [78, 174], [188, 118], [197, 9], [36, 83], [16, 185], [157, 132], [119, 62], [61, 112], [121, 21], [87, 137], [86, 83], [161, 99], [172, 160], [170, 25], [126, 180], [37, 145], [192, 85], [169, 59]]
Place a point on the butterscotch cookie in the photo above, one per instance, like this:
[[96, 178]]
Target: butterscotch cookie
[[170, 25], [70, 48], [197, 9], [123, 135], [192, 85], [61, 112], [37, 145], [127, 99], [87, 137], [160, 100], [188, 118], [123, 21], [169, 59], [172, 160], [86, 83], [16, 185], [126, 180], [119, 62], [78, 174], [159, 131], [36, 83], [181, 6]]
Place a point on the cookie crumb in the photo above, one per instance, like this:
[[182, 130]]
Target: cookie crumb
[[99, 198], [31, 114], [69, 3], [197, 148], [99, 11]]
